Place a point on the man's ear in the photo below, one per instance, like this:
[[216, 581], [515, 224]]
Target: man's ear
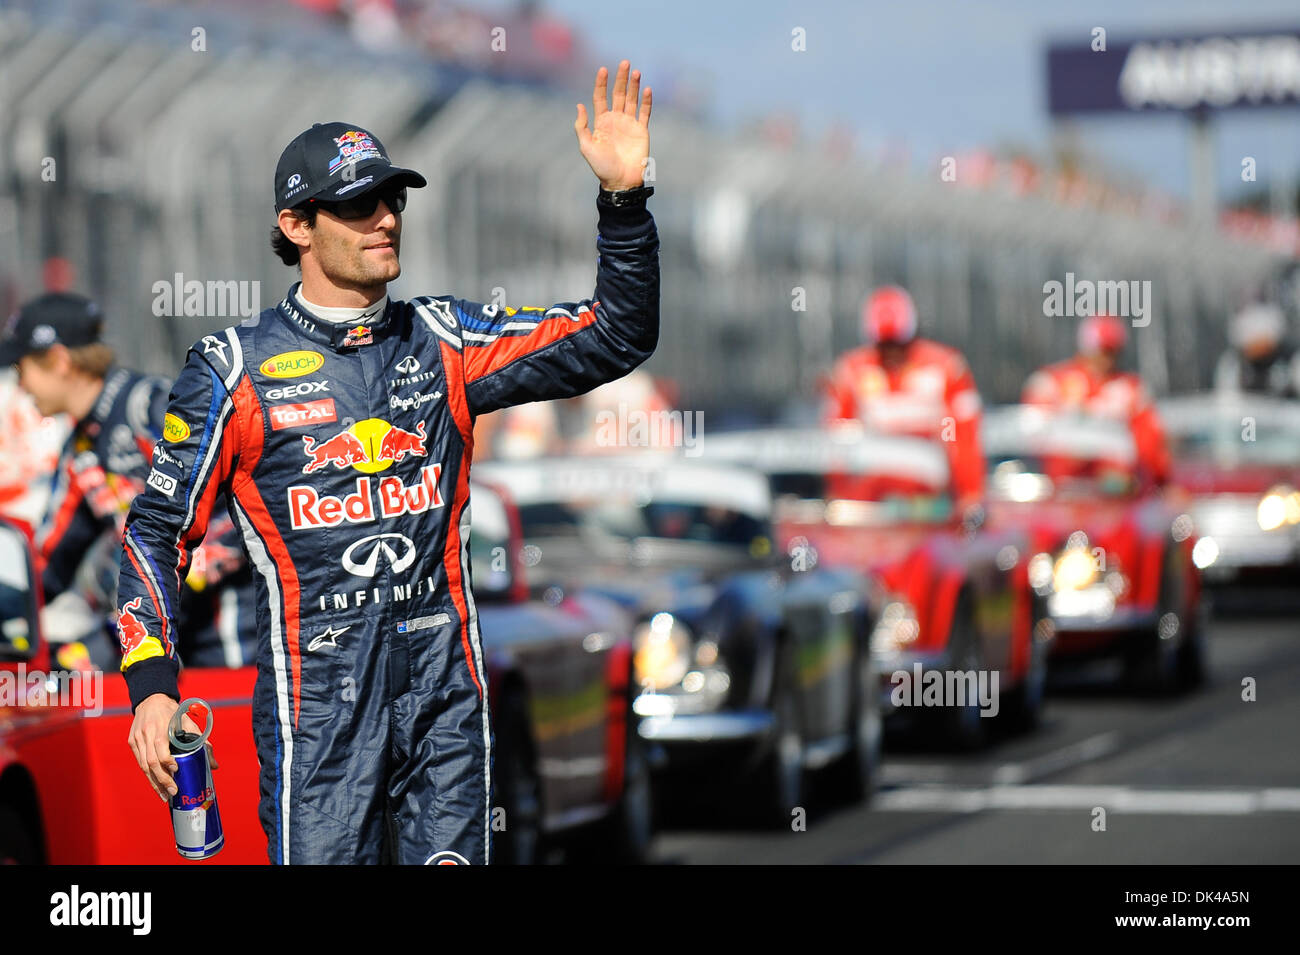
[[295, 228]]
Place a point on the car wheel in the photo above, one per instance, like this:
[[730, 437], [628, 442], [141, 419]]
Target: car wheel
[[780, 776], [1194, 654], [1151, 666], [16, 845], [1026, 701], [859, 768], [962, 727], [519, 788], [632, 825]]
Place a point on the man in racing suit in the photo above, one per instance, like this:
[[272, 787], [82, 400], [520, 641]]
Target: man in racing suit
[[904, 385], [341, 424], [1089, 383], [55, 341]]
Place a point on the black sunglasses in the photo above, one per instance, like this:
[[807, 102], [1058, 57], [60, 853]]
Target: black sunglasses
[[363, 206]]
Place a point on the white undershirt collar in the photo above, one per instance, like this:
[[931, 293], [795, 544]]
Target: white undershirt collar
[[343, 316]]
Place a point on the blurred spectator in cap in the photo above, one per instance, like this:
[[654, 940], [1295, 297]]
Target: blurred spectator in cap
[[1259, 360], [1090, 383]]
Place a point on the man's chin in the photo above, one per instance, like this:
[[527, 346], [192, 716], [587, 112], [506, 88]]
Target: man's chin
[[383, 271]]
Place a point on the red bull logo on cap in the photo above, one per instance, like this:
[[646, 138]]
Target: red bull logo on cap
[[354, 146], [368, 446]]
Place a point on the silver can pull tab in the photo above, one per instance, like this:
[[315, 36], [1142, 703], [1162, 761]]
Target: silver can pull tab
[[189, 742]]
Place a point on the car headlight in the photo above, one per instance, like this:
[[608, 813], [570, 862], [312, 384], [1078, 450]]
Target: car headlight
[[896, 628], [1074, 570], [1205, 552], [661, 652], [1281, 505], [1040, 572]]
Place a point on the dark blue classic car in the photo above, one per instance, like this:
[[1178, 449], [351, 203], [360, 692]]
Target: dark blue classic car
[[752, 664]]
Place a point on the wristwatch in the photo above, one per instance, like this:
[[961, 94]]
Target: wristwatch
[[626, 197]]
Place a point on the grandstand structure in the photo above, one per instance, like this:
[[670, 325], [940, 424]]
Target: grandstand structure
[[164, 158]]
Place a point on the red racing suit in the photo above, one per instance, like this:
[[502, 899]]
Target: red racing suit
[[931, 395], [1072, 385], [344, 452]]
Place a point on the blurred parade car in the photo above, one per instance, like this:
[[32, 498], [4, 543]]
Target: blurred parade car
[[567, 758], [751, 668], [1113, 557], [951, 598], [1239, 458]]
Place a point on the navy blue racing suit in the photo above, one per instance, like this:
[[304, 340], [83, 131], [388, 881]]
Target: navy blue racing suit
[[345, 454]]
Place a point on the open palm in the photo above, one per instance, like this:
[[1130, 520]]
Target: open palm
[[618, 143]]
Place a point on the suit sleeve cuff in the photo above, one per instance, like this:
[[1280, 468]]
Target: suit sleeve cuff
[[627, 221], [156, 675]]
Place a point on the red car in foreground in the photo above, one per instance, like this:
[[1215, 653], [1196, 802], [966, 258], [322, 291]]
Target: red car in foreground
[[1111, 554], [568, 755], [950, 598]]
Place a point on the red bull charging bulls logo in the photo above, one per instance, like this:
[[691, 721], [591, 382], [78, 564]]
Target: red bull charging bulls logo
[[368, 446], [130, 631]]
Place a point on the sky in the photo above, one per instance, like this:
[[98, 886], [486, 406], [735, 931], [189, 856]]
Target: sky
[[942, 76]]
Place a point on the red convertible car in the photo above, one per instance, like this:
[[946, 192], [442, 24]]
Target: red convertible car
[[1112, 556], [951, 599], [568, 756], [1238, 456]]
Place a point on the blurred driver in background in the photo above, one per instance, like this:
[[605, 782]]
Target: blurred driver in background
[[1089, 383], [55, 342], [905, 385], [1259, 361]]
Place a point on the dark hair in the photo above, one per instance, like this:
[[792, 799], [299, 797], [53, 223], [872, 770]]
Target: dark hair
[[280, 244]]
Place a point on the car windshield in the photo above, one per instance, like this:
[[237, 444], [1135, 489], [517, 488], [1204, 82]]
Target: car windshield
[[857, 499], [627, 520], [1238, 438], [1033, 455]]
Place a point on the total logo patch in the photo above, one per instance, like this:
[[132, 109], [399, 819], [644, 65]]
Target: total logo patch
[[302, 414], [292, 364], [368, 446], [446, 857]]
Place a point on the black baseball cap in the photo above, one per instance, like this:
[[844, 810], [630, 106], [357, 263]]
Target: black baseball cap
[[57, 318], [335, 161]]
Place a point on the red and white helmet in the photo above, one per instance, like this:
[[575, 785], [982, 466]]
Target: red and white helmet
[[1099, 333], [889, 315]]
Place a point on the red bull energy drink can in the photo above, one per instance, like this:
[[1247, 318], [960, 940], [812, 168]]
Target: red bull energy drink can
[[195, 820]]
